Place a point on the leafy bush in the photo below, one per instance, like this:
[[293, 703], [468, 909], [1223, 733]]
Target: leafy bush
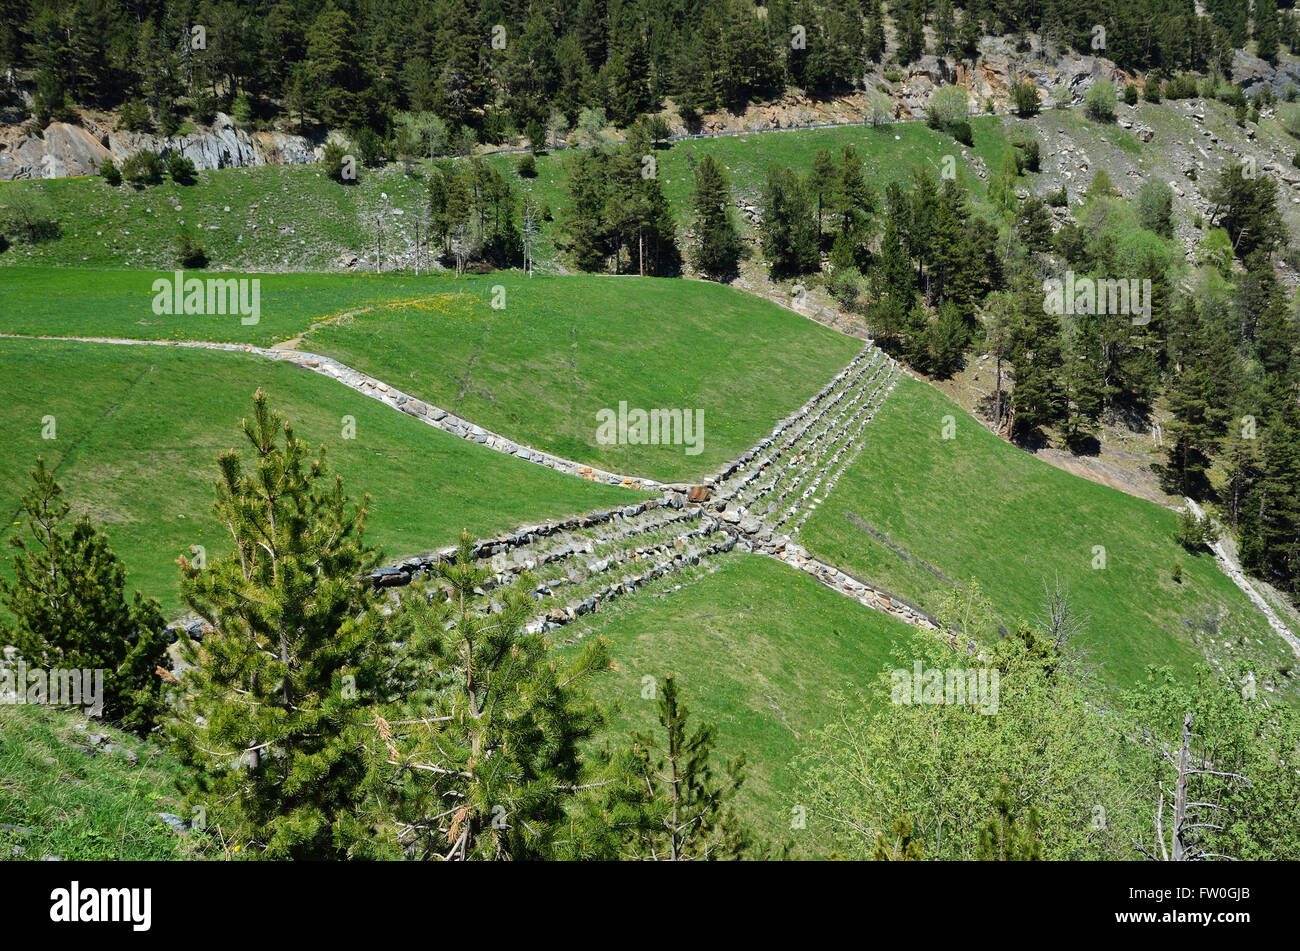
[[135, 117], [1155, 205], [110, 173], [143, 168], [1099, 101], [961, 131], [242, 111], [656, 128], [845, 285], [1057, 199], [1195, 533], [181, 169], [372, 148], [169, 120], [1025, 99], [527, 166], [947, 105], [51, 101], [1130, 94], [1232, 95], [27, 216], [204, 108], [1028, 155], [337, 163], [1151, 91], [1182, 86], [189, 253]]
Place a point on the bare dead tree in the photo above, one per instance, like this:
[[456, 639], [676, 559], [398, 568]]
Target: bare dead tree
[[530, 233], [1061, 624], [1191, 818], [424, 219], [460, 247], [417, 246]]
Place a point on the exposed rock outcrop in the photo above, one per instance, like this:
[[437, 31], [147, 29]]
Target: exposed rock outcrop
[[64, 149]]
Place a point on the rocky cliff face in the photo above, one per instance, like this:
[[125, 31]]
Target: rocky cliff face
[[1253, 74], [63, 149], [988, 78]]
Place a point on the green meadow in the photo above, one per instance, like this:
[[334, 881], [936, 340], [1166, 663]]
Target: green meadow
[[975, 508], [756, 647], [137, 431]]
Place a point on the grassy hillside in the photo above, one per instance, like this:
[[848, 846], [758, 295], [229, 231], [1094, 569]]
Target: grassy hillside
[[563, 348], [138, 431], [973, 507], [755, 646], [889, 152], [268, 218], [118, 303], [293, 217], [77, 805], [537, 370]]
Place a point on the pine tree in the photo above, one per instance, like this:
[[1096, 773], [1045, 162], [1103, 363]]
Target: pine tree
[[270, 722], [945, 28], [1246, 206], [788, 229], [684, 811], [483, 758], [638, 210], [1036, 359], [822, 181], [587, 232], [894, 285], [70, 610], [1084, 387], [1266, 30], [946, 339], [1270, 517], [1005, 838], [901, 846], [873, 43], [1034, 225], [718, 248], [855, 201], [1002, 186]]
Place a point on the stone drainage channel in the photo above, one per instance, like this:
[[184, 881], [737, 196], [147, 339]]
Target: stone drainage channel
[[757, 503]]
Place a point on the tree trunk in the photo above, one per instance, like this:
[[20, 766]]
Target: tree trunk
[[997, 398]]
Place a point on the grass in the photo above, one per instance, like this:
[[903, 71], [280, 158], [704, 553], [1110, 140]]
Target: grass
[[889, 152], [562, 348], [973, 507], [80, 807], [138, 430], [756, 647], [293, 217], [119, 303], [536, 370], [265, 218]]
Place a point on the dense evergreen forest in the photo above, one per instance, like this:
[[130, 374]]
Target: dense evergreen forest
[[491, 69]]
